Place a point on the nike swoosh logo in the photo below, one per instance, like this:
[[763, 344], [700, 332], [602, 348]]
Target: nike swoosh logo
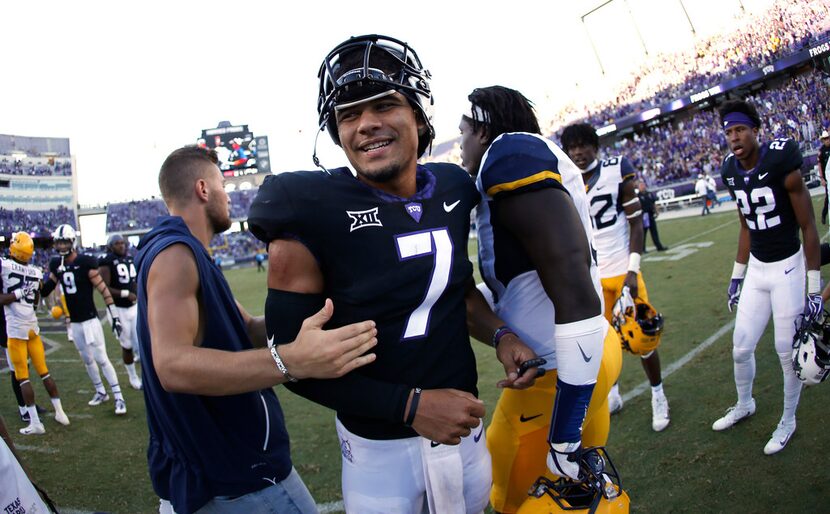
[[761, 176], [451, 206], [584, 357], [524, 419], [477, 437], [599, 187], [270, 341], [433, 444], [787, 271]]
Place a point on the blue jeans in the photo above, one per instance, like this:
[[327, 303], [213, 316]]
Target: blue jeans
[[287, 497]]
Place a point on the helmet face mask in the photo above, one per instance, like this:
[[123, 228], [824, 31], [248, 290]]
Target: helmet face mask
[[367, 67], [811, 352], [64, 237], [599, 489], [22, 247], [640, 327]]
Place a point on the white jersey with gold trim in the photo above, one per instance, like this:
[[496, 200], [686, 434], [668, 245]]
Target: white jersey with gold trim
[[20, 315], [610, 226], [516, 163]]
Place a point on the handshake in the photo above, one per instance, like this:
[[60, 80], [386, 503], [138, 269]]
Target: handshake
[[26, 292]]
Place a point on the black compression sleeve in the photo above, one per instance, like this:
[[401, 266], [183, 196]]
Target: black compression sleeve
[[825, 253], [284, 315], [47, 288]]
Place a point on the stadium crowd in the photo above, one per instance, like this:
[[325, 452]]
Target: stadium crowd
[[37, 167], [34, 222]]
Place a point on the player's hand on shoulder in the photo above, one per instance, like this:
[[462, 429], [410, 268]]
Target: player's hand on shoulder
[[446, 415], [521, 365], [318, 353]]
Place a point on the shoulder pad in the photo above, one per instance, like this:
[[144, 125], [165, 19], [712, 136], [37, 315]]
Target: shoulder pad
[[519, 161]]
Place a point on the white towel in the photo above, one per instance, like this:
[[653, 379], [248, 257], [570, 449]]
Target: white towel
[[444, 477]]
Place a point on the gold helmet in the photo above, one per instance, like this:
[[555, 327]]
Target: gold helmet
[[640, 327], [22, 247], [57, 312], [597, 492]]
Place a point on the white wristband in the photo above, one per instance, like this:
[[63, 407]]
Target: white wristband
[[738, 270], [125, 293], [18, 293], [281, 364], [813, 281], [634, 262]]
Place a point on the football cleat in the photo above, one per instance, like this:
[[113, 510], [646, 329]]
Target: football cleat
[[733, 415], [639, 327], [98, 399], [659, 413], [33, 429], [811, 351], [62, 418], [782, 435], [598, 489], [22, 247], [120, 407], [366, 67]]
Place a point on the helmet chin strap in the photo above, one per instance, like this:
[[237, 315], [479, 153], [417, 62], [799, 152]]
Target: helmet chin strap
[[314, 152]]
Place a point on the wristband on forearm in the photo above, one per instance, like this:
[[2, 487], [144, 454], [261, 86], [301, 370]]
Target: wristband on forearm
[[413, 407], [634, 262], [738, 270], [281, 364], [499, 333], [125, 293], [813, 281]]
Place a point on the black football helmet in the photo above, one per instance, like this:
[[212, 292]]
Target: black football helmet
[[371, 66], [599, 490]]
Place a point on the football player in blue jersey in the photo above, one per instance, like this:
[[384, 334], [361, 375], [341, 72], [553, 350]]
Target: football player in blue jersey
[[768, 276], [617, 221], [540, 269], [388, 243]]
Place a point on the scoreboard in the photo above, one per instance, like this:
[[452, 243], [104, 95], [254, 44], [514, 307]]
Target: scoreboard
[[238, 150]]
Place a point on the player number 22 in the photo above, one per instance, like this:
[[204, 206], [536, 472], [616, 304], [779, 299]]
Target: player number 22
[[438, 244], [762, 201]]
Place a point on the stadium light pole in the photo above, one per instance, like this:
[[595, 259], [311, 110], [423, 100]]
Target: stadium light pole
[[691, 25], [593, 46]]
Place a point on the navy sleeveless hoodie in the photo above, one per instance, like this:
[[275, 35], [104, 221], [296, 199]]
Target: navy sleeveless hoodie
[[206, 446]]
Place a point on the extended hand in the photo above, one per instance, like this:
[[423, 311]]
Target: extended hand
[[318, 353]]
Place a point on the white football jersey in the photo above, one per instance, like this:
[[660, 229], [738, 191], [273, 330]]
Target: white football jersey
[[20, 315], [515, 163], [610, 226]]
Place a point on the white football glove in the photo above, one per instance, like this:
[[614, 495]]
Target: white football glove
[[563, 459], [623, 303]]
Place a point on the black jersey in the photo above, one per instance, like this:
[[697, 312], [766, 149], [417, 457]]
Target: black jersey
[[400, 262], [77, 288], [122, 275], [764, 201]]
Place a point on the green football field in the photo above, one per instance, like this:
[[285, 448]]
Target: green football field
[[98, 463]]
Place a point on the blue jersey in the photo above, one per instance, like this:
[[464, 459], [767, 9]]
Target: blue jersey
[[401, 262], [764, 201], [206, 446]]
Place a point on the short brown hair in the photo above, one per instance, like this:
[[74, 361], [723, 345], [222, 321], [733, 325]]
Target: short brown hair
[[181, 168]]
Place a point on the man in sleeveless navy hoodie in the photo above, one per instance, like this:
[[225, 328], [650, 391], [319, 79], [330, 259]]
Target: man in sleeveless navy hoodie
[[218, 441]]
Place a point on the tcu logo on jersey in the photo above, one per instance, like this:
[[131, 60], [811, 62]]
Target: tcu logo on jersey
[[367, 218]]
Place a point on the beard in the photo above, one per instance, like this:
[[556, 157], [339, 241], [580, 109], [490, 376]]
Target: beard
[[219, 218], [382, 175]]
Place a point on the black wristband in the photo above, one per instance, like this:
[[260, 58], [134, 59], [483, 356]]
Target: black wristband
[[413, 407], [499, 333]]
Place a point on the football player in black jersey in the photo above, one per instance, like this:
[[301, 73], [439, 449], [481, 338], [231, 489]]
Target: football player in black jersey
[[768, 276], [118, 272], [388, 243], [78, 275]]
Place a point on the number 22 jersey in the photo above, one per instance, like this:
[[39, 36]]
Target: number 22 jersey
[[764, 201]]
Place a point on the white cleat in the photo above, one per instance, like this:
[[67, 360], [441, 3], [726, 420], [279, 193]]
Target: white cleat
[[615, 402], [135, 383], [98, 399], [659, 413], [782, 435], [733, 415], [120, 407], [62, 418], [33, 429]]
